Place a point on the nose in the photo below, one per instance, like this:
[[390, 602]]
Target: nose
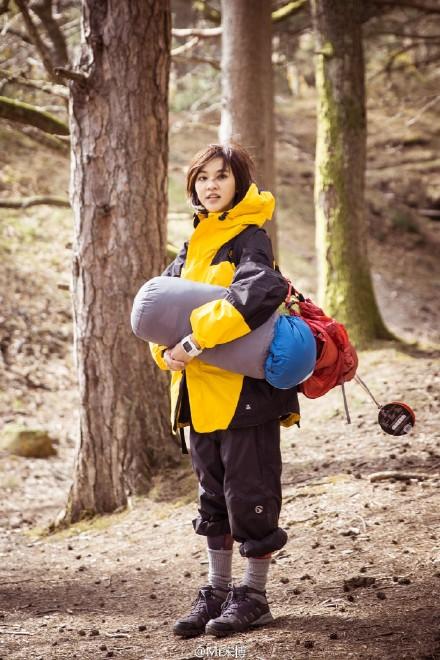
[[211, 184]]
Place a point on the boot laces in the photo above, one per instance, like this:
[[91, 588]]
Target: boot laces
[[233, 600], [201, 602]]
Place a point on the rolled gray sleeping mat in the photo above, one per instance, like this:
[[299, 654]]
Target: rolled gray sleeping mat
[[161, 312]]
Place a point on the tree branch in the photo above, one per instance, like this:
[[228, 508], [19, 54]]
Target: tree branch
[[26, 202], [36, 39], [288, 10], [408, 36], [185, 47], [389, 68], [56, 142], [199, 60], [16, 33], [401, 476], [24, 113], [43, 9], [41, 85], [197, 32], [398, 4], [278, 15], [68, 74]]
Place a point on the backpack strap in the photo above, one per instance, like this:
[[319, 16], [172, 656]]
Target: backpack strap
[[292, 292]]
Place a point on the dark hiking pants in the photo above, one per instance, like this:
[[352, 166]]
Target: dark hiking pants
[[239, 473]]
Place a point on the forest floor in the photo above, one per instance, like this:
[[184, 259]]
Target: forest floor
[[360, 574]]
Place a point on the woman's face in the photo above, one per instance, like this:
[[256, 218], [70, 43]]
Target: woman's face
[[215, 186]]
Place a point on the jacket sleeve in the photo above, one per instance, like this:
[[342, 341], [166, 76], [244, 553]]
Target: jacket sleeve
[[255, 293], [175, 267], [173, 270]]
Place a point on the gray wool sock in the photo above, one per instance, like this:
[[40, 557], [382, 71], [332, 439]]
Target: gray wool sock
[[256, 572], [220, 567]]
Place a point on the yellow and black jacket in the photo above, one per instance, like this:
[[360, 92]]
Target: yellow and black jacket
[[229, 249]]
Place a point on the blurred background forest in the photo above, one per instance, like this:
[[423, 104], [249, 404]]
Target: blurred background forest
[[38, 380], [402, 198]]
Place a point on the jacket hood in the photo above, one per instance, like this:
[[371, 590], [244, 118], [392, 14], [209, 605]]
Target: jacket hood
[[254, 209]]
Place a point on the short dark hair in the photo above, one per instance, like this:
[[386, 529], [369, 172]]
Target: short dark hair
[[234, 157]]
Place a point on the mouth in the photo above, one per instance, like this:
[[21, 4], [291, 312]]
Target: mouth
[[213, 197]]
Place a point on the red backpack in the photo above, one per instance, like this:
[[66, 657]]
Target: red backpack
[[336, 358]]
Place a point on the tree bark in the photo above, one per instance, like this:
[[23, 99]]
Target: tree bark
[[345, 286], [247, 115], [119, 129]]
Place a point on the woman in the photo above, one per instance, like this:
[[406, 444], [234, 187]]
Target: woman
[[234, 420]]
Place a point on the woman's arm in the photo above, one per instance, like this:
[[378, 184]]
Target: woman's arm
[[255, 293]]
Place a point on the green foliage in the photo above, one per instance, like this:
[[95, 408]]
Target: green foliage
[[403, 221]]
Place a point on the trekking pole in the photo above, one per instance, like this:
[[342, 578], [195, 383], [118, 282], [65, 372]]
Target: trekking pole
[[347, 412]]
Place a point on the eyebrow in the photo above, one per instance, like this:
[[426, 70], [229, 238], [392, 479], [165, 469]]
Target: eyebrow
[[222, 169]]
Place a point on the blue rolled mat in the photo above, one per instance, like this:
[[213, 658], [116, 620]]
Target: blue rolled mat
[[292, 353]]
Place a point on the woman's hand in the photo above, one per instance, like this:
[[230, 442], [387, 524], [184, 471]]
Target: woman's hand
[[172, 363], [176, 357], [179, 354]]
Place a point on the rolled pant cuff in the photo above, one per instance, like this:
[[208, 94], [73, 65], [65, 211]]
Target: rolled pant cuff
[[258, 547], [211, 528]]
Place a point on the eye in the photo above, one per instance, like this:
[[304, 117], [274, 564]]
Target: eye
[[202, 177]]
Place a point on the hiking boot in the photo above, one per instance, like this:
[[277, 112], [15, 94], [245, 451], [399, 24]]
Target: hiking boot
[[243, 608], [207, 605]]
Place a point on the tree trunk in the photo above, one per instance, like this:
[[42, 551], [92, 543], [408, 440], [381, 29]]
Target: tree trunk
[[345, 286], [247, 86], [119, 129]]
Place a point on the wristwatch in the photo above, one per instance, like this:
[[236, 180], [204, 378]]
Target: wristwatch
[[189, 347]]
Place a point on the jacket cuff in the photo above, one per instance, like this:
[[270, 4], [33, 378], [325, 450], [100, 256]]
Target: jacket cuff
[[157, 351]]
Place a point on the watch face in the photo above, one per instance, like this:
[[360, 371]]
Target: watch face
[[187, 347]]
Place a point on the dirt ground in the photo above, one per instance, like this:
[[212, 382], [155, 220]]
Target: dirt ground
[[114, 588], [360, 575]]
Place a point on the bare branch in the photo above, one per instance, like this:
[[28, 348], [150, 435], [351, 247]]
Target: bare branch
[[185, 47], [389, 65], [16, 33], [278, 15], [203, 33], [398, 4], [36, 38], [289, 9], [426, 107], [435, 37], [389, 68], [60, 143], [26, 202], [43, 9], [68, 74], [41, 85], [401, 476], [24, 113], [199, 60], [429, 213]]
